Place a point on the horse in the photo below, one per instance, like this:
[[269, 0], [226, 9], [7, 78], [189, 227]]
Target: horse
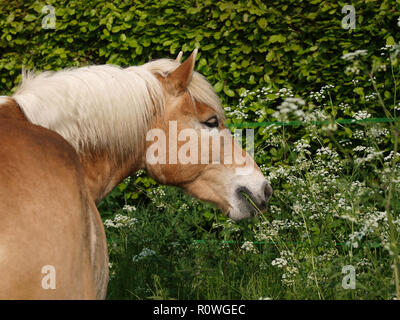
[[69, 137]]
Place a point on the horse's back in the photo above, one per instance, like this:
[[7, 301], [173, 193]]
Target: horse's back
[[44, 216]]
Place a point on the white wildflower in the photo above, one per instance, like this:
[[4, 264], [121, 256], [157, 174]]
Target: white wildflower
[[146, 252], [129, 208], [120, 221], [249, 246], [355, 54]]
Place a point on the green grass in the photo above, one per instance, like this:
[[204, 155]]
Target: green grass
[[219, 267], [181, 267]]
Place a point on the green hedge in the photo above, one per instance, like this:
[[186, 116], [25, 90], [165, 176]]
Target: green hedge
[[243, 44]]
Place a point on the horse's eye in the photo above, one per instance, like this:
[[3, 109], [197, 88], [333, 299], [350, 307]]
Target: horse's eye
[[212, 122]]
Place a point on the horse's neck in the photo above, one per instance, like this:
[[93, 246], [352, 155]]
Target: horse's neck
[[102, 173]]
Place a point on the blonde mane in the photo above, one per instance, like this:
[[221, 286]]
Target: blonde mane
[[103, 107]]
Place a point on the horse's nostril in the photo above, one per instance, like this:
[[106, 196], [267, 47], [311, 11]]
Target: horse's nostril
[[267, 191], [258, 199]]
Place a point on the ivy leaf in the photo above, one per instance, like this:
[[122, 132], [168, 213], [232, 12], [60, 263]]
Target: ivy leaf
[[390, 41], [277, 38], [270, 56], [30, 18], [218, 86], [229, 92], [262, 23], [359, 91]]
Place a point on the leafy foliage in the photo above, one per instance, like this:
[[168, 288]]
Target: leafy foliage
[[242, 43]]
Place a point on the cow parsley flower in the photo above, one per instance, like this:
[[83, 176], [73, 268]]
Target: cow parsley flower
[[360, 115], [249, 246], [355, 54], [129, 208], [146, 252], [120, 221]]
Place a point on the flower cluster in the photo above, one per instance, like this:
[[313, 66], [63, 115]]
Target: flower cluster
[[289, 106], [120, 221], [354, 55], [129, 208], [249, 247], [360, 115], [322, 93], [146, 252], [289, 265]]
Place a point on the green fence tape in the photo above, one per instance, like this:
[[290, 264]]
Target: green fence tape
[[367, 244], [301, 123]]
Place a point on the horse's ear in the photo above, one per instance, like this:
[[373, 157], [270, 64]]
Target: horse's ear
[[179, 57], [180, 78]]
